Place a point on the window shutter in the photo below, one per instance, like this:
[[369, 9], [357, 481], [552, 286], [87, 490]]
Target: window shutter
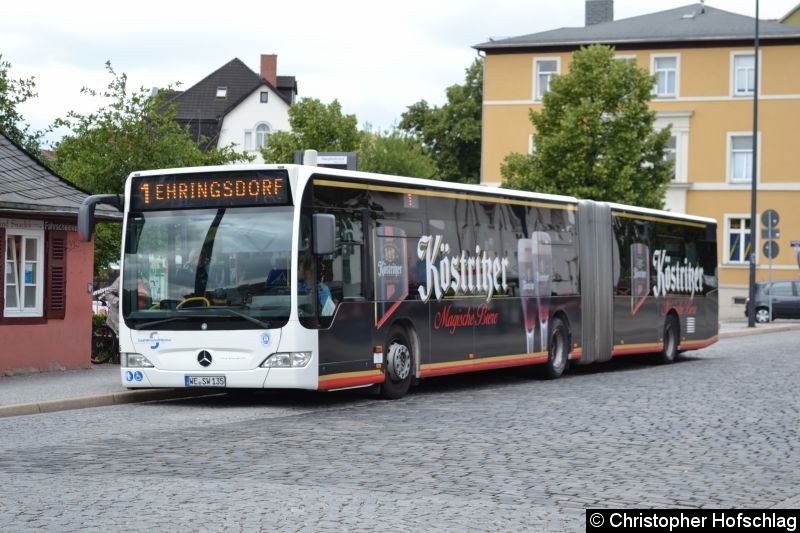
[[2, 269], [56, 278]]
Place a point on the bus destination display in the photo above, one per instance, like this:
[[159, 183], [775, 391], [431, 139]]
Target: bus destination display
[[184, 191]]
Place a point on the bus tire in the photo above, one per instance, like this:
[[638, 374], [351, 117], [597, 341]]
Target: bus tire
[[672, 335], [558, 344], [399, 363]]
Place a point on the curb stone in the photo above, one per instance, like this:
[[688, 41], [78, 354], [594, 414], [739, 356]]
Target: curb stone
[[118, 398], [758, 331]]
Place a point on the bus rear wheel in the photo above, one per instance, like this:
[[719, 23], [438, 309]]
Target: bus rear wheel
[[399, 363], [557, 350], [672, 330]]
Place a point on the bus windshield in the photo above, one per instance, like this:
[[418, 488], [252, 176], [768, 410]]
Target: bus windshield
[[225, 268]]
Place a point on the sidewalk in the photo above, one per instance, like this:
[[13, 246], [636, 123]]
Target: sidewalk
[[101, 385], [97, 386], [738, 327]]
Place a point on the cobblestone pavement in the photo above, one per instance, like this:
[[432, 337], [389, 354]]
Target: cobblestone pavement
[[485, 452]]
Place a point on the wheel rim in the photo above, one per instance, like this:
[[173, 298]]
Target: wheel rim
[[762, 315], [557, 344], [399, 361], [670, 342]]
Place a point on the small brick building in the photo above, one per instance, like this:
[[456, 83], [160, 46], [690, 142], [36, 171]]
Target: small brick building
[[46, 271]]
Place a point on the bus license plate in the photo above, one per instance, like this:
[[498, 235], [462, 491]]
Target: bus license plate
[[204, 381]]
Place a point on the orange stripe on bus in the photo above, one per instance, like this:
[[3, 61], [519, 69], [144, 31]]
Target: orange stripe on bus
[[350, 379], [638, 348], [696, 345], [487, 363]]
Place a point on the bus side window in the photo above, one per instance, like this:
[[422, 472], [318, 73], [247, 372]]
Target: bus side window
[[344, 268]]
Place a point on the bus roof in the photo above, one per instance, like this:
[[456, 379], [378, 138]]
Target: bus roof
[[419, 182], [359, 175], [661, 213]]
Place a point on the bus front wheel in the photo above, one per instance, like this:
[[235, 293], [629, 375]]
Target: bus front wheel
[[399, 363]]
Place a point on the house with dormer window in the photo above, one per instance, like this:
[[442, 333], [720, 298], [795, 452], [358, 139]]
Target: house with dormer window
[[235, 105], [704, 65]]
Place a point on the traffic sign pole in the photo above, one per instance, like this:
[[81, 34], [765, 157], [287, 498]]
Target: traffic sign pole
[[770, 219]]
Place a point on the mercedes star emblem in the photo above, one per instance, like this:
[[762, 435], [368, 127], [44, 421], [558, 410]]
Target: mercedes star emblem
[[204, 358]]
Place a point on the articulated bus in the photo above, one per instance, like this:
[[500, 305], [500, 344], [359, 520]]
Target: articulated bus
[[303, 277]]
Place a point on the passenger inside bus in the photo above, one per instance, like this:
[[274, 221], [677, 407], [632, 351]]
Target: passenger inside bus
[[305, 283]]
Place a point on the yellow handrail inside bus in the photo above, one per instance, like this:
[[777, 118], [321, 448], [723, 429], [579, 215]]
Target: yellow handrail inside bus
[[201, 299]]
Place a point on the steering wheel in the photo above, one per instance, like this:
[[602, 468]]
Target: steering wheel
[[194, 299]]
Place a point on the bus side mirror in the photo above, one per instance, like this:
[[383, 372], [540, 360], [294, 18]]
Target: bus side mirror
[[86, 212], [324, 230]]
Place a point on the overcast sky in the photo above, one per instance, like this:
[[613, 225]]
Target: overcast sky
[[376, 58]]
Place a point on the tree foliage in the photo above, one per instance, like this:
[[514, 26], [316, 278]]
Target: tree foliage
[[452, 133], [594, 135], [13, 93], [315, 126], [131, 131], [396, 153]]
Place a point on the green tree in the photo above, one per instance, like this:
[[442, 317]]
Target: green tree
[[315, 126], [13, 93], [132, 131], [394, 152], [452, 133], [594, 135]]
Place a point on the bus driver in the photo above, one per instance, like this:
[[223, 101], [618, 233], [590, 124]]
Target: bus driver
[[304, 284]]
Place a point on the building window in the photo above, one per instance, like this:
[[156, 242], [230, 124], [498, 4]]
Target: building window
[[262, 135], [738, 248], [23, 282], [531, 144], [740, 158], [665, 68], [264, 97], [670, 154], [222, 92], [744, 74], [677, 148], [545, 69]]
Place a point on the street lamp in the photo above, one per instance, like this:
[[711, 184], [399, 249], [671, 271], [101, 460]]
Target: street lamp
[[751, 318]]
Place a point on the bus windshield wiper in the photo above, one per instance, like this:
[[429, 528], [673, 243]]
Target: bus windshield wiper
[[265, 325], [162, 321]]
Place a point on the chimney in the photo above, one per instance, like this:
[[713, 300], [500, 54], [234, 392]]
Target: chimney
[[269, 68], [598, 11]]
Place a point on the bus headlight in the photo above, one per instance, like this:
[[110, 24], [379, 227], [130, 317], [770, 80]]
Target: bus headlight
[[287, 360], [134, 360]]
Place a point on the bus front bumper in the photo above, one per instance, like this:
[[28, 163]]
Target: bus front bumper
[[258, 378]]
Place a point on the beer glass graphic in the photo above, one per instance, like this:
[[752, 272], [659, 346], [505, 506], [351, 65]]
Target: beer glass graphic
[[527, 288], [640, 275], [391, 273], [543, 255]]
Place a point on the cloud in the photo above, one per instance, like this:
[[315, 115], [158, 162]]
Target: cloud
[[376, 58]]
